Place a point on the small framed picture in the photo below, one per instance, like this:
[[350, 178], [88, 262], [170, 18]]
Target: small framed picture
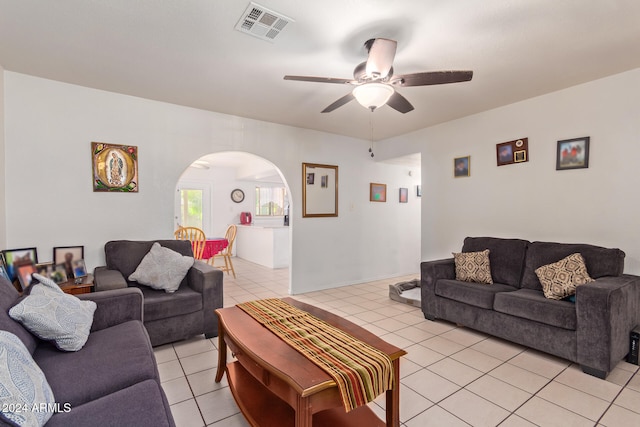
[[3, 272], [404, 195], [377, 192], [461, 166], [418, 190], [14, 258], [79, 269], [573, 154], [66, 255], [516, 151], [24, 272], [59, 274]]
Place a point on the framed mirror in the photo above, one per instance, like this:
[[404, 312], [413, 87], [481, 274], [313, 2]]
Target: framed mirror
[[319, 190]]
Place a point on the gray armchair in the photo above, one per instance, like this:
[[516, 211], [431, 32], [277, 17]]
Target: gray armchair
[[167, 317]]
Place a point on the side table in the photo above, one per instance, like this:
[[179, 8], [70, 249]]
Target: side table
[[84, 287]]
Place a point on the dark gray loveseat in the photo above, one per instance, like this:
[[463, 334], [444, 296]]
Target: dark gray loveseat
[[593, 331], [168, 317], [113, 380]]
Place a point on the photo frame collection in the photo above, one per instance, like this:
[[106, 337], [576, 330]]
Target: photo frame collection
[[18, 265], [570, 154]]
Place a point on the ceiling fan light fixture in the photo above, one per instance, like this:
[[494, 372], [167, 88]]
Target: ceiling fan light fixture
[[373, 95]]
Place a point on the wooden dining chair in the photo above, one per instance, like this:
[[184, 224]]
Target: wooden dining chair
[[196, 236], [227, 252]]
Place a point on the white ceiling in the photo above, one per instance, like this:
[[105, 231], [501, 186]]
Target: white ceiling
[[188, 53]]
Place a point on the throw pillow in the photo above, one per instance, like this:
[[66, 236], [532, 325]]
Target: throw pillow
[[24, 386], [162, 269], [473, 267], [52, 315], [560, 279]]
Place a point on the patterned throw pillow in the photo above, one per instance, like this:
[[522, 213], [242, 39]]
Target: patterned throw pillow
[[473, 267], [560, 279], [24, 386], [162, 269], [52, 315]]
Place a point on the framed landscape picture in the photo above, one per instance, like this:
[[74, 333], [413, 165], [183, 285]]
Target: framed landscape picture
[[573, 154]]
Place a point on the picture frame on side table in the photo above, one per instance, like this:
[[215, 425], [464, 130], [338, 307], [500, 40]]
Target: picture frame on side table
[[14, 258], [79, 269], [66, 255], [24, 273], [461, 166], [573, 154], [59, 274], [377, 192], [319, 197]]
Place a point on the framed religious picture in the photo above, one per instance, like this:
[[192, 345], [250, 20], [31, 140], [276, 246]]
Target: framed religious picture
[[115, 167]]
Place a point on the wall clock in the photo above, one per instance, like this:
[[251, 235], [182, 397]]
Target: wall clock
[[237, 195]]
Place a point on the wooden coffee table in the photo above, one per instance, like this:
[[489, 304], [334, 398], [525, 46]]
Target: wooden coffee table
[[274, 385]]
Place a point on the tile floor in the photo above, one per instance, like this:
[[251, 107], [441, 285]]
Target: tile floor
[[451, 376]]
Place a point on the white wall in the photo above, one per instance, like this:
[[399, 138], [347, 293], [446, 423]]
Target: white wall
[[3, 222], [532, 200], [49, 199]]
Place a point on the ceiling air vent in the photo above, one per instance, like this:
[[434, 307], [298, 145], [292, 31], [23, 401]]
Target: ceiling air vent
[[262, 23]]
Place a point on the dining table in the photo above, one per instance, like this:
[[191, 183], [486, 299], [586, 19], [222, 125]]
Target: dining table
[[213, 246]]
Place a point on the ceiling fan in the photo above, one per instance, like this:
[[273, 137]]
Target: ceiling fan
[[375, 82]]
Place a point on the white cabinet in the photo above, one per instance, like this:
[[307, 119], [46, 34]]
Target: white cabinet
[[268, 246]]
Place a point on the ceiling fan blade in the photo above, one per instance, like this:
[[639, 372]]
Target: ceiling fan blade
[[433, 78], [381, 54], [399, 103], [320, 79], [339, 103]]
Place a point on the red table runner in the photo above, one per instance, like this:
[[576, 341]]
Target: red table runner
[[213, 247]]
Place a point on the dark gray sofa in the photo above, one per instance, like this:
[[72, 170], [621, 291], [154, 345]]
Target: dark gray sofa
[[593, 331], [168, 317], [113, 380]]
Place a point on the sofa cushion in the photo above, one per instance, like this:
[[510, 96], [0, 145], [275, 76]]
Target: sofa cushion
[[474, 294], [112, 359], [138, 405], [126, 255], [600, 261], [8, 297], [559, 280], [161, 305], [473, 267], [50, 314], [532, 305], [23, 384], [505, 255], [162, 269]]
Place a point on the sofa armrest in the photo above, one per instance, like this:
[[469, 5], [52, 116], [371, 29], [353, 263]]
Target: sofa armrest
[[607, 310], [207, 280], [105, 279], [430, 273], [115, 306]]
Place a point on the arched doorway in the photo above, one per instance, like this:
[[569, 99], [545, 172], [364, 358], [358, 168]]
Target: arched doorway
[[204, 198]]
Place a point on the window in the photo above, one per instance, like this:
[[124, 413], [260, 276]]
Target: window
[[270, 201]]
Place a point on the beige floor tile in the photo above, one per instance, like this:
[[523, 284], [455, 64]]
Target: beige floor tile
[[199, 362], [217, 405], [407, 367], [480, 361], [619, 416], [397, 340], [370, 316], [177, 390], [170, 370], [541, 363], [574, 400], [619, 376], [237, 420], [516, 421], [187, 414], [520, 378], [499, 392], [422, 355], [464, 336], [574, 377], [455, 371], [436, 327], [430, 385], [412, 403], [436, 417], [498, 348], [390, 325], [204, 382], [543, 413], [164, 353], [193, 346], [414, 334], [442, 345], [634, 384], [629, 399], [474, 409]]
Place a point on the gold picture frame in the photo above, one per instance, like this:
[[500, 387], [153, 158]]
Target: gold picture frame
[[115, 167], [319, 190]]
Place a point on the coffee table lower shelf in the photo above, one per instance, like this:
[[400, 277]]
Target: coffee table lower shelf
[[262, 408]]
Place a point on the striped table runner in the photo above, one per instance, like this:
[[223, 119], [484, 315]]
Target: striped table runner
[[361, 371]]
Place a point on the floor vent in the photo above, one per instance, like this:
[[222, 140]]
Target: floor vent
[[262, 23]]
